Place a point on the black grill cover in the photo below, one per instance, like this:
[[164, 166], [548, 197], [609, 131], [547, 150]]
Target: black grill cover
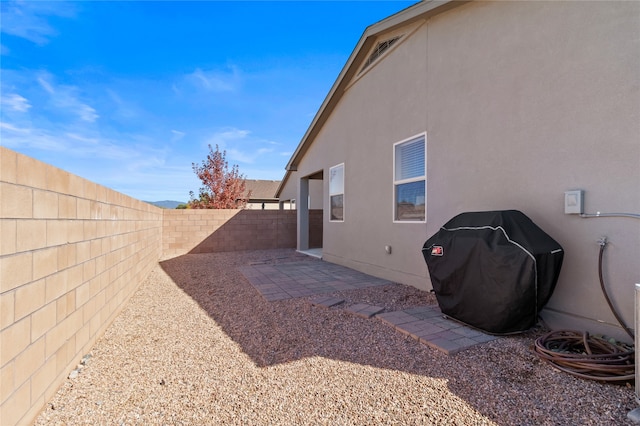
[[493, 270]]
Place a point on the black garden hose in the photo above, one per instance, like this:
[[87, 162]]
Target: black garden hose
[[589, 357], [603, 243]]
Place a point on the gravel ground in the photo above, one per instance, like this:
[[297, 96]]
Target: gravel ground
[[198, 345]]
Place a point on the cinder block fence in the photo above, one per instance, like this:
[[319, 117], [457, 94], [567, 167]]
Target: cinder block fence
[[72, 253], [209, 231]]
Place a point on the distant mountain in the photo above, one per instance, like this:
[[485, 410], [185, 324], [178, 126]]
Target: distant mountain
[[166, 204]]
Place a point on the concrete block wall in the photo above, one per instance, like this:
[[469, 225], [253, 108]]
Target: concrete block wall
[[208, 231], [72, 252]]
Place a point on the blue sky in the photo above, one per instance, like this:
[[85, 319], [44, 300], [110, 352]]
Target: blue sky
[[130, 94]]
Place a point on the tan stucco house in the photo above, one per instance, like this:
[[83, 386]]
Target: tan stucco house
[[451, 107], [261, 194]]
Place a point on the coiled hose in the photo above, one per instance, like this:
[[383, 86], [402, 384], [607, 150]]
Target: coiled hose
[[589, 357]]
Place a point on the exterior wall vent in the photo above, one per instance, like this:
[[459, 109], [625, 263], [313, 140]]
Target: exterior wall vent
[[379, 50]]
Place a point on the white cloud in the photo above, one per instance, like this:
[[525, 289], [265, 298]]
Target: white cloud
[[166, 182], [45, 85], [240, 145], [15, 102], [73, 143], [87, 113], [234, 134], [224, 137], [66, 98], [148, 162], [123, 162], [28, 19], [21, 138], [214, 80], [263, 171], [12, 128], [74, 136], [248, 156], [124, 109], [177, 135]]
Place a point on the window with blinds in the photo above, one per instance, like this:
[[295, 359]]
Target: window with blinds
[[336, 193], [410, 179]]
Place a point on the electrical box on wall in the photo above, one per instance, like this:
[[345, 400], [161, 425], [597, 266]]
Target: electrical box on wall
[[574, 201]]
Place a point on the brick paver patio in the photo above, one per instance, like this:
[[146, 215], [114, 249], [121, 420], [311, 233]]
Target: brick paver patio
[[315, 279], [302, 279]]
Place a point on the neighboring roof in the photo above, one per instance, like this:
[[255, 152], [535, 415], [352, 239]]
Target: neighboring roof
[[262, 189], [422, 10]]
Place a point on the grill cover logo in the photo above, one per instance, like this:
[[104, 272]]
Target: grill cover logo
[[437, 251]]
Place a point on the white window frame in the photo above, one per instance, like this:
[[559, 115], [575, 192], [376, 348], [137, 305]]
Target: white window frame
[[414, 138], [340, 191]]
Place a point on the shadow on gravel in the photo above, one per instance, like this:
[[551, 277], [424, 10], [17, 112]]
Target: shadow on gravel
[[279, 332], [288, 330]]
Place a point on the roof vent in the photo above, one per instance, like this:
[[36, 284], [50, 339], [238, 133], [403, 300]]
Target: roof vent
[[379, 50]]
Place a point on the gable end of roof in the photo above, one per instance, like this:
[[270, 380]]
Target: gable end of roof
[[420, 11]]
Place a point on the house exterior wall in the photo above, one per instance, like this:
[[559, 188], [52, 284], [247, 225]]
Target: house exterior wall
[[360, 133], [528, 100], [316, 194], [71, 254], [259, 206], [316, 198], [520, 101]]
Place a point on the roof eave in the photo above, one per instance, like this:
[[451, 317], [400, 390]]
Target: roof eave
[[283, 182], [423, 10]]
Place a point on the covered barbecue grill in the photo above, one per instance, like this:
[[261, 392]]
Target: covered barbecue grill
[[493, 270]]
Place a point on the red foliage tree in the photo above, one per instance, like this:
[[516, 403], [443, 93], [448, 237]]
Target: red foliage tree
[[222, 188]]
